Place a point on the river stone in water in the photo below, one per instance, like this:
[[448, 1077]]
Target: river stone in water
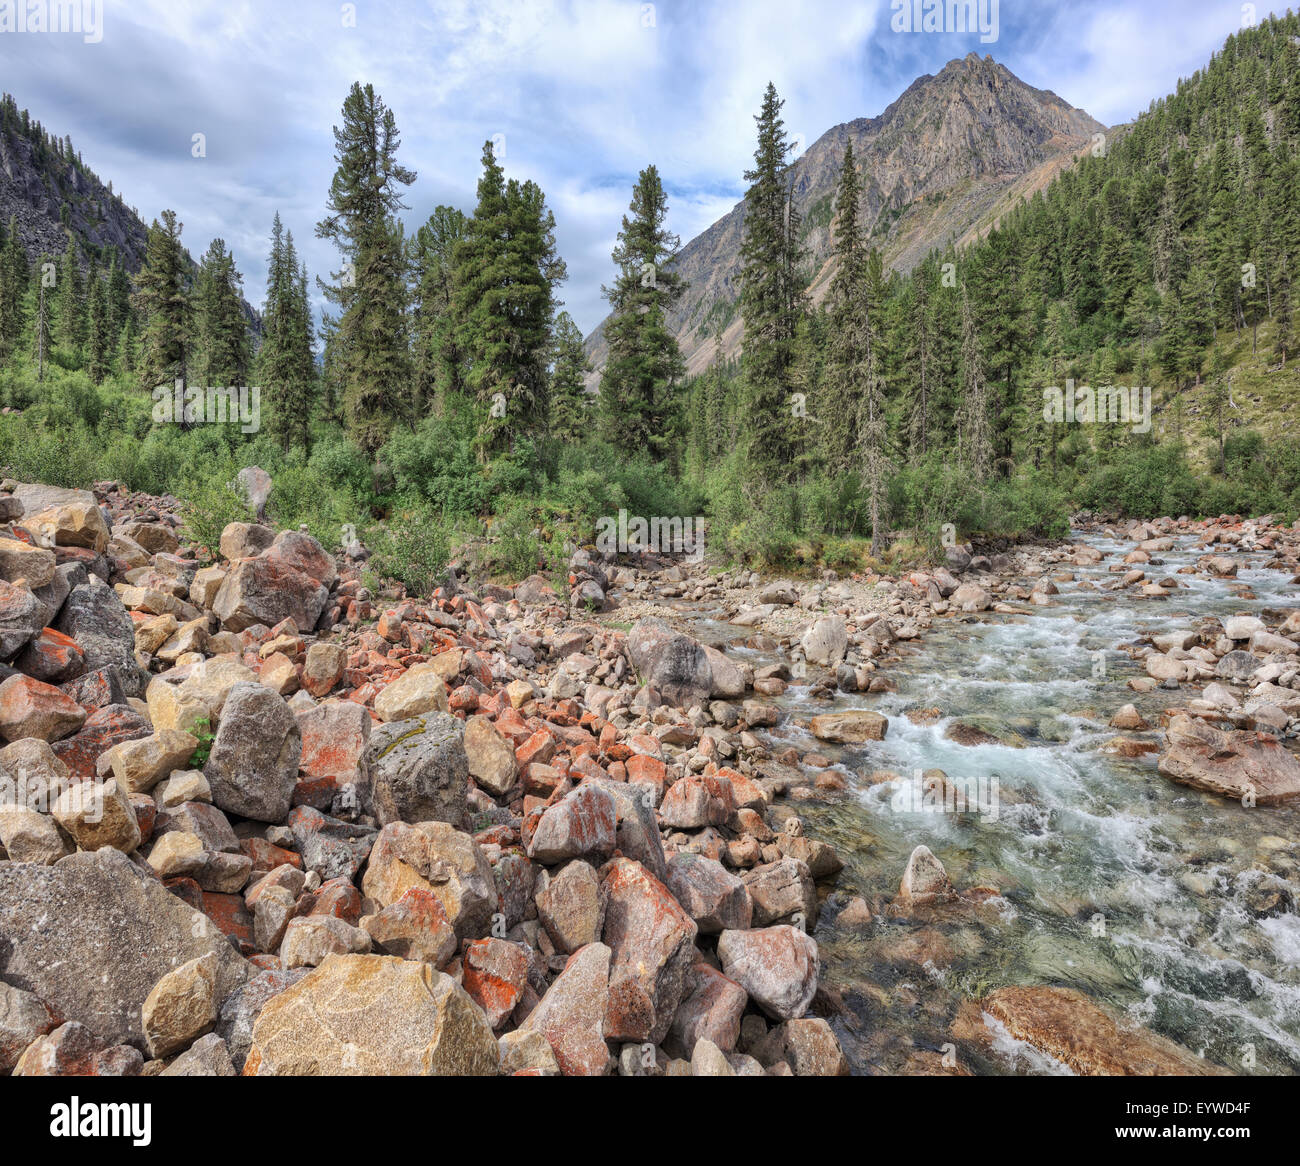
[[826, 642], [417, 770], [98, 913], [1069, 1027], [850, 728], [371, 1015], [1233, 764]]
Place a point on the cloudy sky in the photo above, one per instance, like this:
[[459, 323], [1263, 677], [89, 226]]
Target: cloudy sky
[[584, 92]]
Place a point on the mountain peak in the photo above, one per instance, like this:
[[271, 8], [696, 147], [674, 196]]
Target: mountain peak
[[940, 165]]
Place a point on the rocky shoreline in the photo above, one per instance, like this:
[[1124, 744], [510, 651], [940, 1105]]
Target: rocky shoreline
[[297, 827]]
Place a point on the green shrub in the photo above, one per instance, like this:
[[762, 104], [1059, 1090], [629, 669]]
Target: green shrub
[[414, 547]]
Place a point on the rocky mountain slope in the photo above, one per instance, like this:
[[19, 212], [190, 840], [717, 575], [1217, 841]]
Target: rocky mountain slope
[[47, 193], [940, 165], [36, 186]]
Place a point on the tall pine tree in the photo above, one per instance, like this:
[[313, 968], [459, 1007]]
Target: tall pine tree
[[370, 290]]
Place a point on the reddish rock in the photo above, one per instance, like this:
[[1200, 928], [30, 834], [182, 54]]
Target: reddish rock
[[495, 975], [333, 736], [338, 897], [52, 657], [231, 917], [698, 801], [1231, 763], [415, 927], [584, 822], [31, 708], [652, 944], [538, 749], [711, 1009], [571, 1016], [72, 1050], [104, 728], [267, 856], [266, 590], [715, 898]]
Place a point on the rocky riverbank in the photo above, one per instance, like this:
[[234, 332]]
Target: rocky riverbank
[[298, 827]]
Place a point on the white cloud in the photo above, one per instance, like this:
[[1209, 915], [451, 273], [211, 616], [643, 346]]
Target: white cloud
[[587, 93]]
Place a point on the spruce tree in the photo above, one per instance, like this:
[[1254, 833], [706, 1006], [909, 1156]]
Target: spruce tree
[[505, 272], [69, 305], [221, 357], [847, 322], [163, 304], [770, 300], [439, 362], [976, 439], [570, 405], [370, 290], [644, 365], [97, 340], [286, 363]]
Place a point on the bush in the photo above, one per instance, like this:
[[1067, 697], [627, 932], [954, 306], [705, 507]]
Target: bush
[[414, 548], [209, 504], [516, 551]]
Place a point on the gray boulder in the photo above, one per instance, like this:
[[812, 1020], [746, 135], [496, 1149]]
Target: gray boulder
[[673, 664], [92, 934], [253, 766], [417, 771], [93, 615]]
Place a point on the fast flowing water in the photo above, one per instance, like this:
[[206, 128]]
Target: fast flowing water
[[1141, 893]]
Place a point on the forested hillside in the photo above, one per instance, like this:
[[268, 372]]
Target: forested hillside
[[1166, 258], [444, 387]]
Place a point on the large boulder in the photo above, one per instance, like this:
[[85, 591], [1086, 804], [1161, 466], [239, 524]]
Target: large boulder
[[94, 617], [419, 690], [22, 616], [714, 897], [970, 597], [93, 934], [571, 1016], [253, 765], [583, 823], [728, 679], [826, 642], [673, 664], [29, 708], [243, 540], [492, 761], [777, 966], [256, 485], [652, 945], [437, 858], [711, 1009], [300, 552], [334, 735], [78, 523], [570, 907], [372, 1015], [417, 771], [268, 590], [20, 560], [1232, 763]]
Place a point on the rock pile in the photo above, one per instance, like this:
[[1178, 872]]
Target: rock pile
[[295, 827]]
